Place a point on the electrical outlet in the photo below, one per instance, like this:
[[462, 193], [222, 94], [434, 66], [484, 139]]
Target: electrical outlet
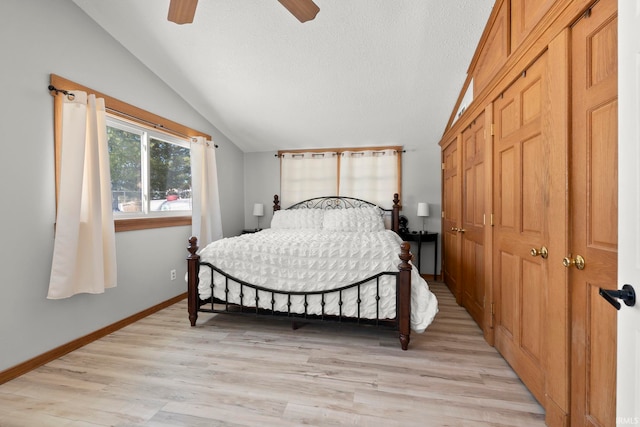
[[172, 274]]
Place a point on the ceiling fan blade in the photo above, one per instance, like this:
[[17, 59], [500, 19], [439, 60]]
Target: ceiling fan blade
[[304, 10], [182, 11]]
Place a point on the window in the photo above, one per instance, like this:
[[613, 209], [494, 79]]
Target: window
[[150, 171], [307, 175], [144, 186], [372, 174]]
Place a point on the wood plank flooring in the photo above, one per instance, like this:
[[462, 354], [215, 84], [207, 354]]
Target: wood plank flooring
[[233, 371]]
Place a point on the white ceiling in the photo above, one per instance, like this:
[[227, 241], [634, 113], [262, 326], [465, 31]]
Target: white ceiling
[[363, 72]]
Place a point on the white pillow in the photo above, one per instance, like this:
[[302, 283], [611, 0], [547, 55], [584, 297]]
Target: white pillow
[[364, 218], [295, 219]]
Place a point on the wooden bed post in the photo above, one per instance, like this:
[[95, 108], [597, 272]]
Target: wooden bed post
[[276, 203], [404, 295], [193, 268], [395, 213]]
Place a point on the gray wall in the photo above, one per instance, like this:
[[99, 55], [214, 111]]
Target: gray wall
[[420, 183], [421, 178], [39, 37]]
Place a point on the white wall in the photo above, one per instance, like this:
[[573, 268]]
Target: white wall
[[39, 37], [420, 183]]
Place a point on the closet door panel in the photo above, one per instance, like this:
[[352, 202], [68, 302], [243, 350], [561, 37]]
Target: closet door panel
[[531, 306], [594, 213], [525, 14], [507, 313], [521, 182], [496, 50], [533, 185], [506, 197], [473, 213], [603, 227], [451, 221]]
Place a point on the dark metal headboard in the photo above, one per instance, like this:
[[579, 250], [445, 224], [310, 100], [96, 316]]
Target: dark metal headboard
[[342, 202], [335, 202]]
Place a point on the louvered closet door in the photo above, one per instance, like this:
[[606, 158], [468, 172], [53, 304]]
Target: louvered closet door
[[473, 211], [521, 197]]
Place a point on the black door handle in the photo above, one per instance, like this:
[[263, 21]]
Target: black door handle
[[626, 294]]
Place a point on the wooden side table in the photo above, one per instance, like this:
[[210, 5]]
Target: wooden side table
[[424, 237]]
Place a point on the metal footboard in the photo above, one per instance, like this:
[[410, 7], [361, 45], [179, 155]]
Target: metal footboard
[[255, 305]]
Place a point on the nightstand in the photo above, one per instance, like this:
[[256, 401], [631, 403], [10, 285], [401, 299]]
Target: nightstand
[[423, 237], [251, 230]]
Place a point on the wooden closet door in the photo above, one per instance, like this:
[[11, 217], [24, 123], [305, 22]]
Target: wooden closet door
[[594, 207], [525, 14], [473, 216], [521, 196], [451, 217]]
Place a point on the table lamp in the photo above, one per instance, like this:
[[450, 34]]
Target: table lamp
[[423, 211], [258, 211]]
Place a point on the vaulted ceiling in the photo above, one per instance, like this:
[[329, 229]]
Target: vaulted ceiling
[[363, 72]]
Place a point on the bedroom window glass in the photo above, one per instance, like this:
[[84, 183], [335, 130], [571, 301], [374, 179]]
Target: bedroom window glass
[[150, 171]]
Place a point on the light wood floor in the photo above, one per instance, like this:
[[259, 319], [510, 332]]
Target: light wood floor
[[232, 371]]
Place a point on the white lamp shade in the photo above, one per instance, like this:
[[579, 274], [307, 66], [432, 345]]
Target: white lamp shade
[[258, 209], [423, 209]]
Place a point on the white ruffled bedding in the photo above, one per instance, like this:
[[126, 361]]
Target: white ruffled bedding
[[296, 259]]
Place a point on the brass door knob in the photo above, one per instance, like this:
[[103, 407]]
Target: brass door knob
[[578, 261], [461, 230], [454, 229], [543, 252]]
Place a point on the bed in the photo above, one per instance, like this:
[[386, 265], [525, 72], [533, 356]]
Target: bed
[[324, 259]]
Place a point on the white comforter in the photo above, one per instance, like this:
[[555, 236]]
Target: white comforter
[[310, 260]]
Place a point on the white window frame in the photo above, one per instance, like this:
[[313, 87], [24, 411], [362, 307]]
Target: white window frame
[[146, 134]]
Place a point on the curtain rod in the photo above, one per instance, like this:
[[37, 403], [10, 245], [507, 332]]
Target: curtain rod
[[70, 96], [341, 153]]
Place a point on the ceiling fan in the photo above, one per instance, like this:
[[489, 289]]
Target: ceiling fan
[[183, 11]]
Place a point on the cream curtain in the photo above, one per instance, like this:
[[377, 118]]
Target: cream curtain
[[307, 175], [370, 175], [84, 254], [206, 222]]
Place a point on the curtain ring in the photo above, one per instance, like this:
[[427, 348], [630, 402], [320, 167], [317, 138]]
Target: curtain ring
[[70, 96]]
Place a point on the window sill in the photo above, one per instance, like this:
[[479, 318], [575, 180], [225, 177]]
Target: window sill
[[130, 224]]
